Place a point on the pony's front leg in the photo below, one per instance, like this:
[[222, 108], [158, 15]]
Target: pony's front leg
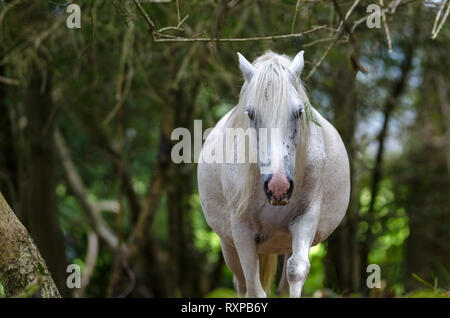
[[283, 285], [232, 260], [244, 240], [303, 231]]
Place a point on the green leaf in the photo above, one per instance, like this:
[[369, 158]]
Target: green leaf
[[422, 280]]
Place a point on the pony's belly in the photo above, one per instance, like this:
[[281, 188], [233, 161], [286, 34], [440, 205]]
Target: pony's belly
[[278, 243]]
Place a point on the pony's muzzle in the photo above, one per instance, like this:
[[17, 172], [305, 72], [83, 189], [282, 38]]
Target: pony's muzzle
[[278, 188]]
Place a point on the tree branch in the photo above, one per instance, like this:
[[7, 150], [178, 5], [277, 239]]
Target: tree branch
[[78, 188], [9, 81], [91, 260], [335, 39], [249, 39], [437, 27], [151, 25], [386, 28], [297, 7]]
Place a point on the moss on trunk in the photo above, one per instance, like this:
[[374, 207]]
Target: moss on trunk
[[23, 272]]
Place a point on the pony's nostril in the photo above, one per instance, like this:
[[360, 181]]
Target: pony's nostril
[[291, 188], [266, 180], [266, 185]]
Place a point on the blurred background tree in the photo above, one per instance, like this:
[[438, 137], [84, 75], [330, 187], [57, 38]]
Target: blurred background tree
[[86, 117]]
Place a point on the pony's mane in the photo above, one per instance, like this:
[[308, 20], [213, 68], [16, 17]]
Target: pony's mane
[[270, 84]]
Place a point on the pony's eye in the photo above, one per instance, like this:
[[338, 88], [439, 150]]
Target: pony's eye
[[250, 113], [297, 113]]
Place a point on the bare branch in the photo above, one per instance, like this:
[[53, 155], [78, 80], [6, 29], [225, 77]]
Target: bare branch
[[167, 29], [182, 21], [151, 24], [8, 7], [91, 260], [335, 39], [390, 10], [178, 12], [386, 28], [44, 35], [261, 38], [107, 205], [77, 187], [437, 27], [297, 7], [394, 5], [123, 84], [9, 81], [169, 38]]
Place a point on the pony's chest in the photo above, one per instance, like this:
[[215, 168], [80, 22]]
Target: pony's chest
[[278, 243], [273, 226], [278, 218]]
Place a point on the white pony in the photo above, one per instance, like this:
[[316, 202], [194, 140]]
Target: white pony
[[290, 201]]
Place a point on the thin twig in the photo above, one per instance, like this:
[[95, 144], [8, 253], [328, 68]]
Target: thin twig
[[178, 12], [323, 40], [176, 28], [123, 82], [43, 36], [394, 6], [386, 28], [437, 29], [297, 7], [168, 36], [438, 15], [169, 28], [354, 56], [151, 25], [182, 21], [261, 38]]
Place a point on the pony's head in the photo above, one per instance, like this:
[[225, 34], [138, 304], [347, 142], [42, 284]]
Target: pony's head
[[272, 101]]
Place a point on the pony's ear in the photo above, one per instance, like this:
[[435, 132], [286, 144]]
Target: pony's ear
[[297, 64], [246, 67]]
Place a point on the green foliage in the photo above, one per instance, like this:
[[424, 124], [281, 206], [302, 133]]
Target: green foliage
[[221, 293], [316, 277], [427, 293], [205, 239], [433, 291]]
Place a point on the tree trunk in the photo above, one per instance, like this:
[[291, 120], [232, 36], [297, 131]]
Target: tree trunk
[[184, 260], [39, 204], [23, 272], [8, 161], [182, 254], [427, 252], [342, 260], [443, 97]]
